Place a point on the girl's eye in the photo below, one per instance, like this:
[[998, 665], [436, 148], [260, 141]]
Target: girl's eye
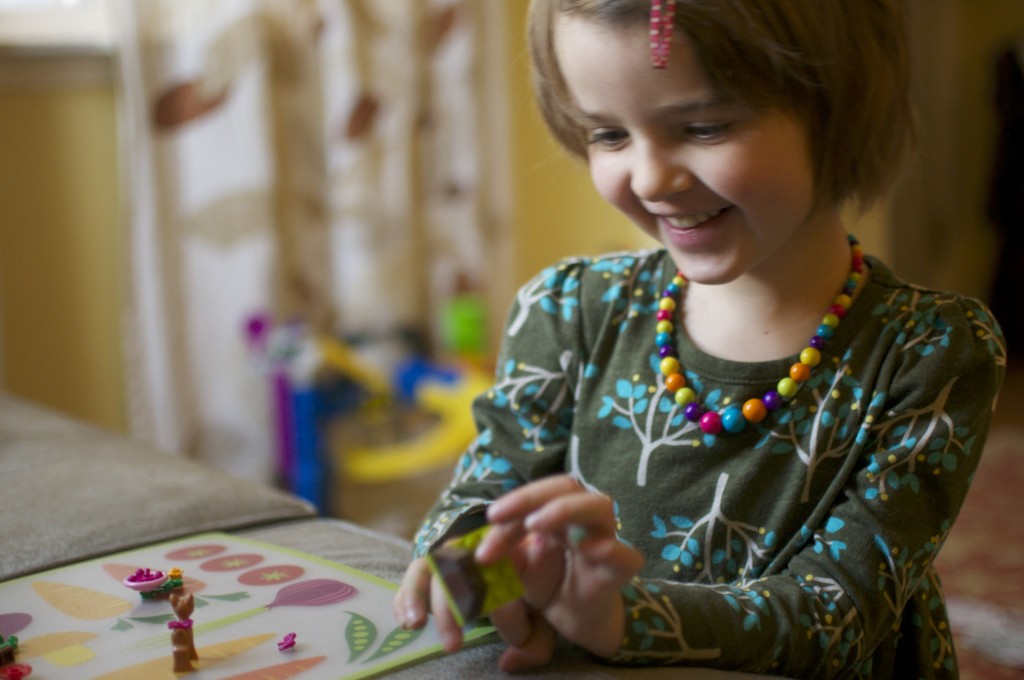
[[707, 133], [606, 137]]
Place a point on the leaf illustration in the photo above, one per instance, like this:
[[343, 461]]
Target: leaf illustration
[[395, 640], [230, 597], [360, 634]]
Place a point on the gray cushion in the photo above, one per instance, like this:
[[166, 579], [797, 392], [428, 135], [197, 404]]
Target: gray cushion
[[71, 491]]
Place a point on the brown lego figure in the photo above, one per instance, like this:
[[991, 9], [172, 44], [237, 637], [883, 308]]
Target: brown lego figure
[[182, 642]]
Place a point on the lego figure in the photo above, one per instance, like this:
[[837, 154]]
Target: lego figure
[[182, 642]]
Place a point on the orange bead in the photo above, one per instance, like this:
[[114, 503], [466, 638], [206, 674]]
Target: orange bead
[[800, 372], [754, 410], [675, 382]]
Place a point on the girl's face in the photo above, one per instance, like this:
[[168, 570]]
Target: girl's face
[[723, 187]]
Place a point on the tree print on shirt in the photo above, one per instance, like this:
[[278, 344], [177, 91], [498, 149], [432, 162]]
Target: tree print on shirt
[[714, 547]]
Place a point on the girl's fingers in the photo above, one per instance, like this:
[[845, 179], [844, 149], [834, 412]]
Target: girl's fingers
[[536, 651], [518, 503], [410, 603], [447, 626], [514, 622]]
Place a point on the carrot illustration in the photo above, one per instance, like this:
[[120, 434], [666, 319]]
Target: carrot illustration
[[281, 671], [81, 603], [60, 649], [162, 667]]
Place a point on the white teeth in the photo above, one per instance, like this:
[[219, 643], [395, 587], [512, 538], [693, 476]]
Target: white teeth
[[692, 220]]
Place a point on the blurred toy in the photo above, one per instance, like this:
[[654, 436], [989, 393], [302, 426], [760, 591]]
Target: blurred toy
[[16, 671], [154, 585], [319, 379], [183, 645], [287, 643], [7, 649], [473, 590], [448, 397]]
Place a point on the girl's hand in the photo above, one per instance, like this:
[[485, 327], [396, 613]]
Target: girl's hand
[[420, 594], [562, 540]]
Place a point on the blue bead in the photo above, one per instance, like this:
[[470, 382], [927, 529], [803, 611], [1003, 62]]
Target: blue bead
[[663, 339], [733, 420], [671, 290], [825, 331]]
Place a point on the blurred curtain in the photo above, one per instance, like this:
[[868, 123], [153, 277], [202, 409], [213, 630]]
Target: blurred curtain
[[331, 161]]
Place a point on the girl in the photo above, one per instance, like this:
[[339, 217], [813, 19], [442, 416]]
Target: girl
[[745, 449]]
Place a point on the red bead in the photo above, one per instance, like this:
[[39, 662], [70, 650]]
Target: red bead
[[663, 315], [711, 423], [838, 310]]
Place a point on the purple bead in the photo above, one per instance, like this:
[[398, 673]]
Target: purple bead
[[666, 351], [772, 400], [693, 411], [818, 342]]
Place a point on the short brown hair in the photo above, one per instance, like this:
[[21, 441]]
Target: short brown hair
[[840, 66]]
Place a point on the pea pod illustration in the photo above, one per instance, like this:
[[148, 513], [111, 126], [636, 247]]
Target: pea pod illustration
[[360, 634], [395, 640]]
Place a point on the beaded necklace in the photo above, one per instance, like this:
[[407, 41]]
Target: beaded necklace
[[734, 418]]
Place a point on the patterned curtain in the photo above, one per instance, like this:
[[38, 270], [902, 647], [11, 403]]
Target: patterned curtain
[[327, 161]]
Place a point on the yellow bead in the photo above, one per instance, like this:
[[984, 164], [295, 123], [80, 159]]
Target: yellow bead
[[685, 396], [670, 365], [844, 300], [679, 280], [664, 327], [667, 303], [675, 382], [810, 356], [787, 387], [830, 319]]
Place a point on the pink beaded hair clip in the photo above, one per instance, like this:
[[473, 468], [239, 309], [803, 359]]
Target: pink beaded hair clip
[[663, 18]]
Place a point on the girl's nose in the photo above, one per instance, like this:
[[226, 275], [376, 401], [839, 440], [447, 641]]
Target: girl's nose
[[656, 176]]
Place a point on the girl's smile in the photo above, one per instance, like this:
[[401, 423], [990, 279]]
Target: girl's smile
[[727, 189]]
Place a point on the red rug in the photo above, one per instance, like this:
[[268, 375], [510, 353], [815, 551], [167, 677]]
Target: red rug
[[982, 564]]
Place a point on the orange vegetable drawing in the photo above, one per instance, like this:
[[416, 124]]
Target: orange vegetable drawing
[[162, 667], [81, 603], [281, 671], [60, 649]]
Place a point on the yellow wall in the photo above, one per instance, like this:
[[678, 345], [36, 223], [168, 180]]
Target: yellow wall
[[556, 211], [60, 248]]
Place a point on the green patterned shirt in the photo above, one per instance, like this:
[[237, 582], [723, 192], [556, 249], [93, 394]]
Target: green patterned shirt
[[802, 546]]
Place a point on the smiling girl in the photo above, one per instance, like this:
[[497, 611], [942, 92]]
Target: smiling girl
[[742, 450]]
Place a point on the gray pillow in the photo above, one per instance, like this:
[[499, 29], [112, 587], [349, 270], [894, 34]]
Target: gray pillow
[[70, 491]]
